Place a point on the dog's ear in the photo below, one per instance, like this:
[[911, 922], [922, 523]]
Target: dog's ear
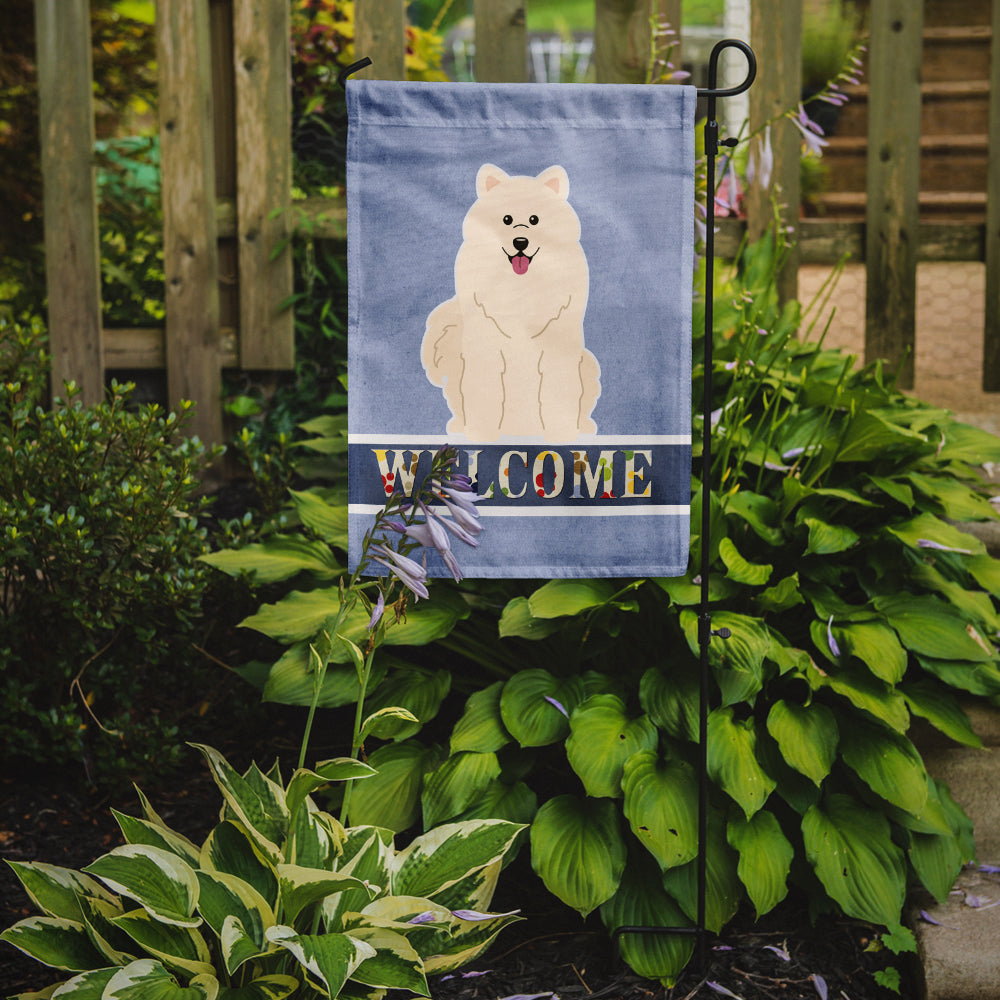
[[488, 177], [556, 179]]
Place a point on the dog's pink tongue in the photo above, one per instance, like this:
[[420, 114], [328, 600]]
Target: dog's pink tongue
[[520, 263]]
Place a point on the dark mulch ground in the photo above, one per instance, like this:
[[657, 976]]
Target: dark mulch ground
[[55, 820]]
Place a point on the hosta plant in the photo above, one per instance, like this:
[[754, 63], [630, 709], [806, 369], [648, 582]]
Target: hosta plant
[[279, 900]]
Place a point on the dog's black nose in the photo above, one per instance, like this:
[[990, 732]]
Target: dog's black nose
[[520, 244]]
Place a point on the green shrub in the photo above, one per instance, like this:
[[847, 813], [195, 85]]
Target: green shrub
[[279, 900], [99, 540]]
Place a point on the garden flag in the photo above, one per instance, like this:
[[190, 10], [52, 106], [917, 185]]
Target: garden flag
[[520, 262]]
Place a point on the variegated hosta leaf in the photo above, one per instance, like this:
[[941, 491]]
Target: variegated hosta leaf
[[56, 891], [304, 782], [256, 801], [456, 784], [315, 838], [661, 799], [476, 890], [765, 858], [158, 880], [395, 964], [602, 737], [481, 727], [86, 986], [230, 849], [147, 979], [732, 760], [391, 799], [141, 831], [225, 897], [578, 851], [441, 857], [98, 915], [177, 947], [466, 941], [888, 763], [850, 847], [273, 987], [329, 959], [535, 706], [723, 889], [367, 853], [642, 902], [54, 941], [301, 887], [807, 736]]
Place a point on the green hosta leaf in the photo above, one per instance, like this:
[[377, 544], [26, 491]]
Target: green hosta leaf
[[641, 901], [301, 887], [517, 620], [180, 948], [783, 595], [230, 849], [274, 987], [224, 898], [515, 803], [56, 891], [765, 858], [671, 699], [739, 569], [965, 443], [807, 736], [827, 539], [888, 763], [683, 591], [928, 528], [528, 710], [395, 964], [732, 760], [330, 959], [391, 798], [738, 661], [870, 435], [438, 859], [418, 690], [260, 809], [957, 501], [160, 882], [327, 520], [141, 831], [937, 859], [931, 628], [723, 889], [986, 571], [559, 598], [941, 709], [481, 728], [386, 723], [54, 941], [876, 646], [304, 782], [456, 784], [865, 692], [147, 979], [850, 848], [758, 511], [893, 488], [602, 738], [976, 678], [661, 799], [578, 851], [291, 680], [976, 605], [279, 558]]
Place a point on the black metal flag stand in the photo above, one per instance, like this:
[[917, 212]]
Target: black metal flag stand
[[705, 631]]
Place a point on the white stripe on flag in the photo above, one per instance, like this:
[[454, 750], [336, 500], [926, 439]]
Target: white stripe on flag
[[669, 510], [630, 441]]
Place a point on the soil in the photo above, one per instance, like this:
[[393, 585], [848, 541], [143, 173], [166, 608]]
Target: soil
[[551, 952]]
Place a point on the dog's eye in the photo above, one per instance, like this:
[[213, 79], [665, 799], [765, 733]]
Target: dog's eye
[[533, 220], [508, 219]]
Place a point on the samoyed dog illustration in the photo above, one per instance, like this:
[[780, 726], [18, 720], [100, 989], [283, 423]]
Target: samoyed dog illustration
[[508, 349]]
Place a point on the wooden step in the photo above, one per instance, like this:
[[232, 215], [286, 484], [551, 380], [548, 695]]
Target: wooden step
[[956, 53], [957, 206], [947, 162]]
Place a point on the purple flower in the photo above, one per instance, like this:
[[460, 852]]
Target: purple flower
[[820, 983], [780, 952], [719, 988], [377, 612], [558, 705], [427, 917], [927, 543], [411, 574], [469, 522], [475, 915], [834, 648], [761, 163], [811, 132]]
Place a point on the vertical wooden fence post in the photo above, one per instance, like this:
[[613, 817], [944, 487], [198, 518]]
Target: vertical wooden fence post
[[991, 332], [190, 253], [72, 256], [893, 183], [501, 41], [261, 56], [776, 35], [622, 40], [380, 34]]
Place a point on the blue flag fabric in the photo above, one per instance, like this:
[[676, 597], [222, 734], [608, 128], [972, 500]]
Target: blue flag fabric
[[520, 261]]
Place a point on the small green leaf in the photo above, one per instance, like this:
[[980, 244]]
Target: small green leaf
[[391, 798], [930, 627], [279, 558], [888, 763], [807, 736], [327, 520], [732, 760], [765, 858], [517, 620], [530, 706], [670, 698], [739, 569], [578, 851], [456, 784], [936, 704], [481, 727], [559, 598]]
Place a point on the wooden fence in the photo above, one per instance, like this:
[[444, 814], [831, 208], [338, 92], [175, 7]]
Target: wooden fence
[[226, 161]]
